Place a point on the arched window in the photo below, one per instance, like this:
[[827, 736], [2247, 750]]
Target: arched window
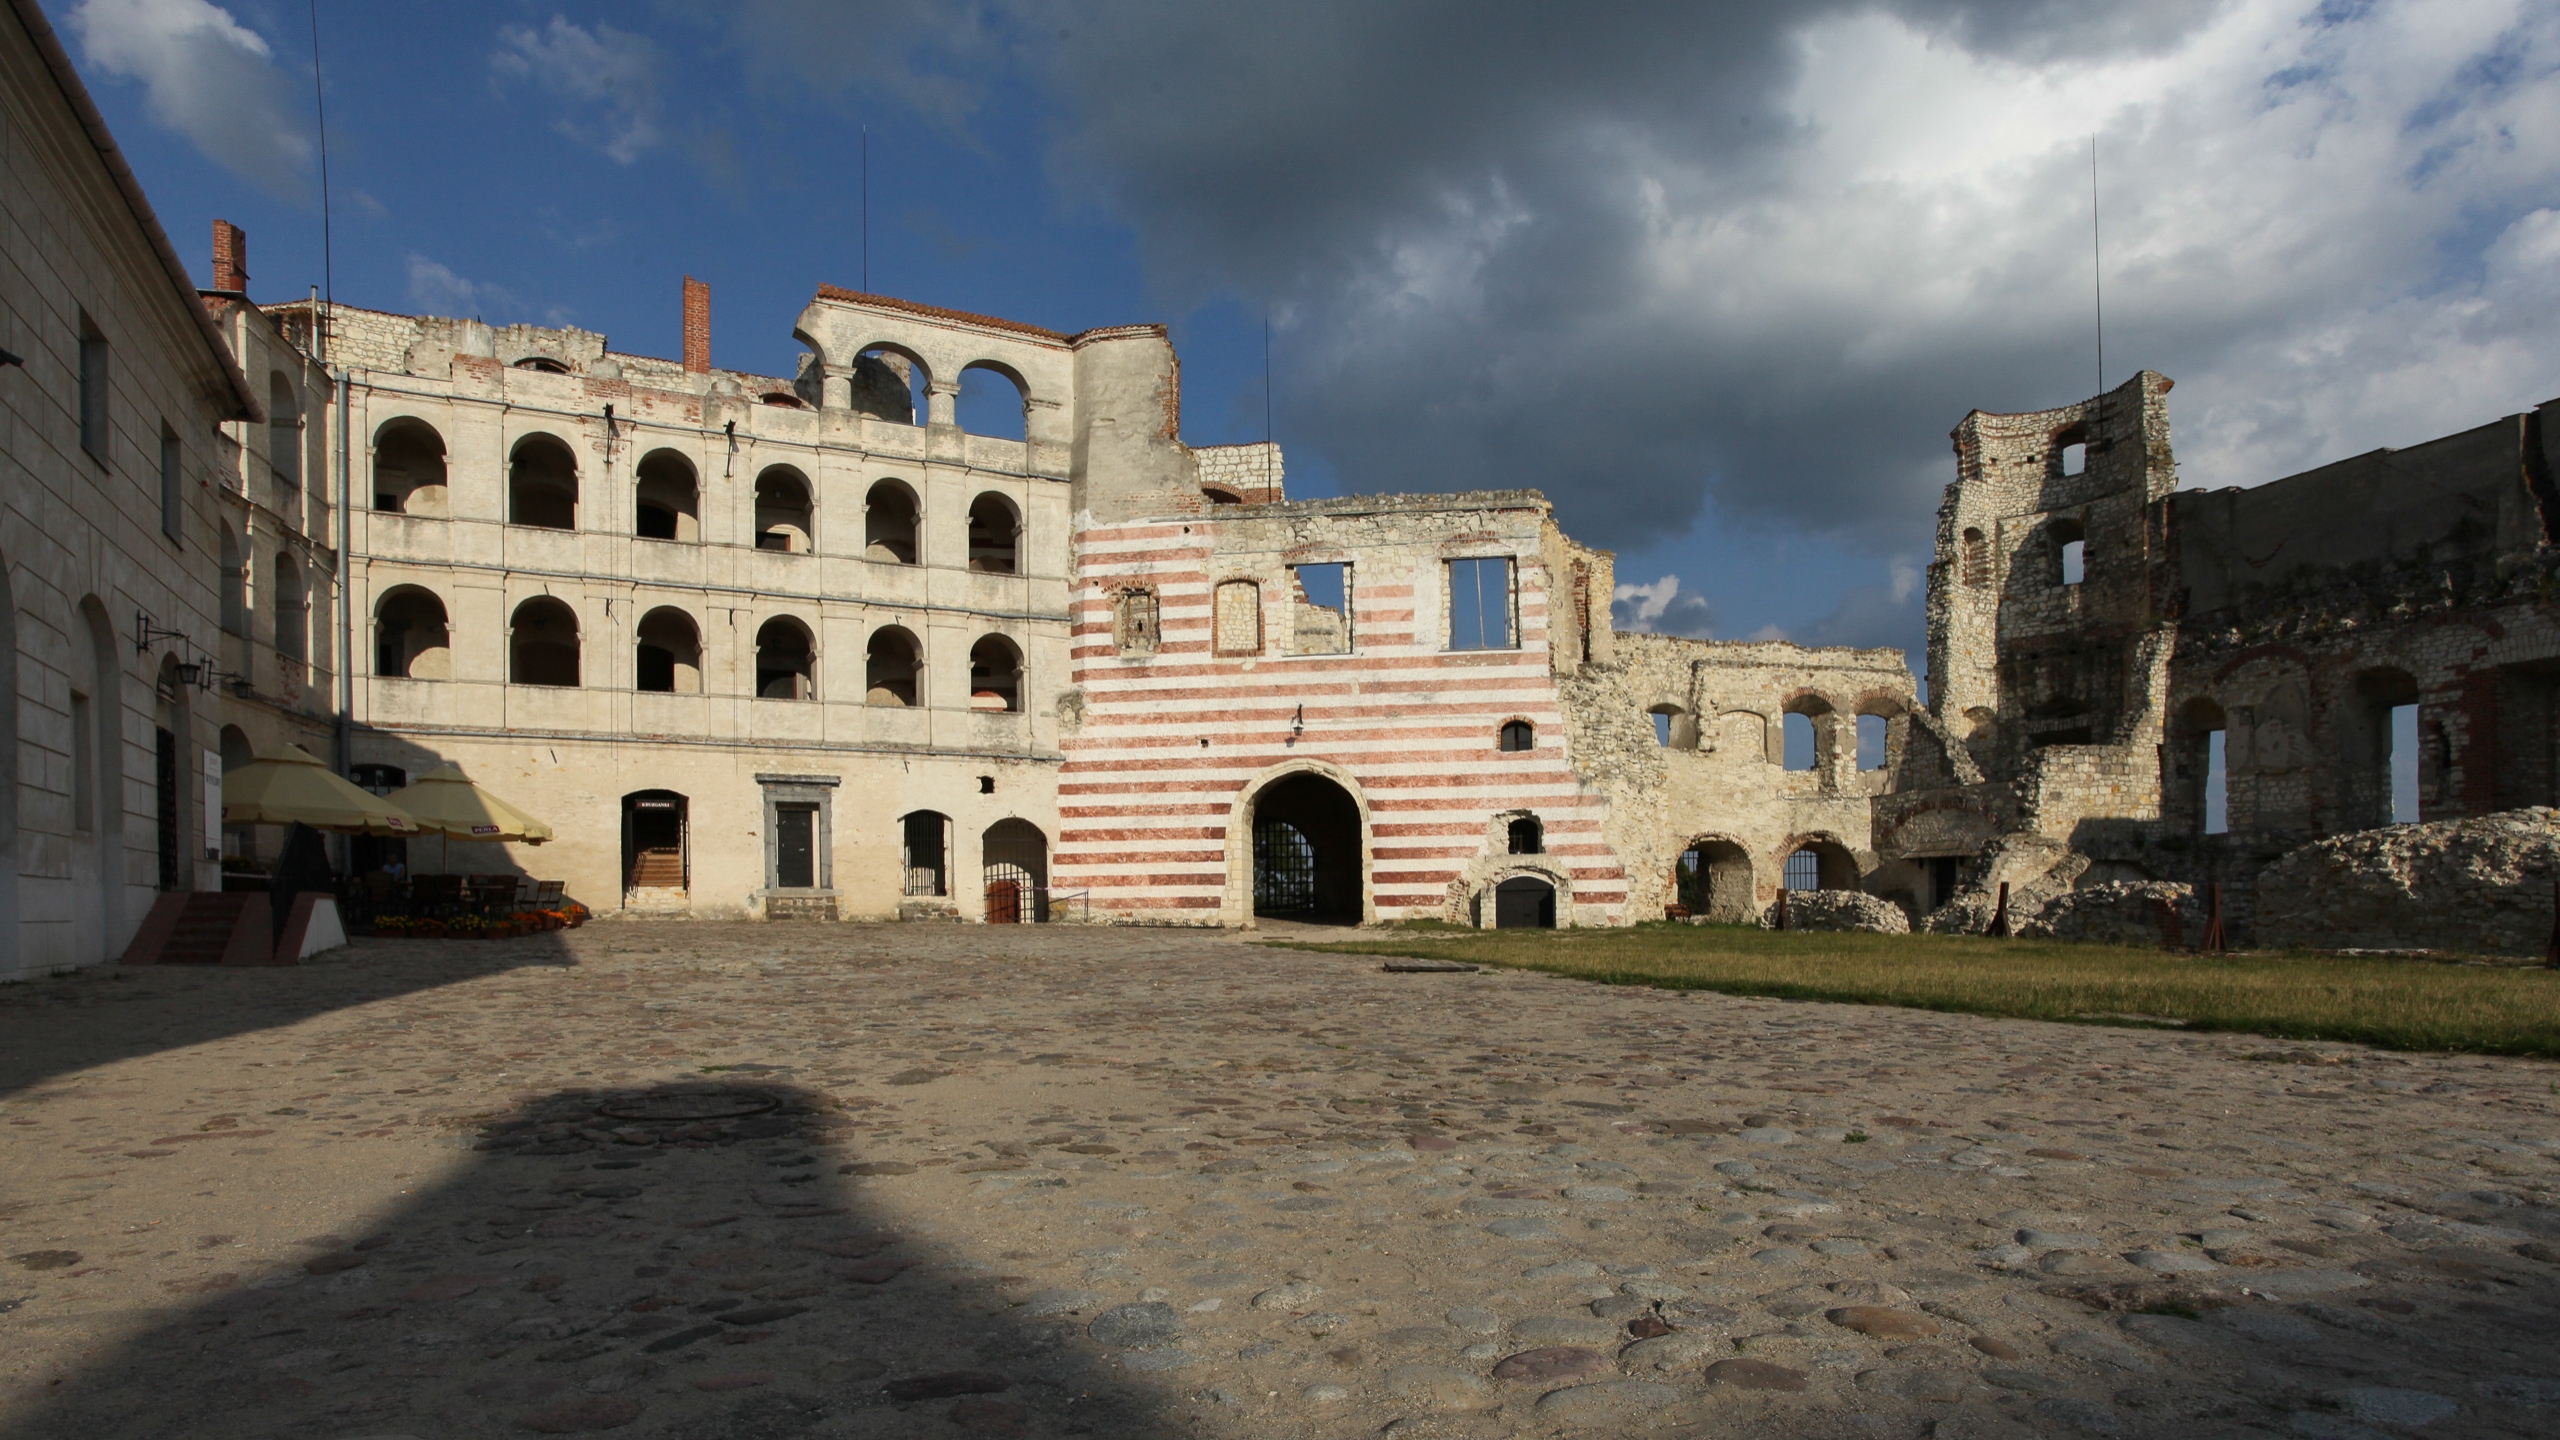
[[410, 638], [890, 384], [1136, 622], [542, 365], [665, 501], [926, 843], [1806, 733], [891, 663], [235, 584], [995, 675], [542, 644], [292, 611], [889, 524], [1975, 558], [784, 520], [408, 468], [784, 661], [1821, 865], [1519, 736], [1875, 733], [994, 528], [1527, 836], [991, 401], [669, 658], [284, 433], [542, 484], [1015, 857]]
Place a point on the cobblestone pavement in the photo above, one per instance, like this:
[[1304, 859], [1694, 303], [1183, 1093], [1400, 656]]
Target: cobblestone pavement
[[723, 1182]]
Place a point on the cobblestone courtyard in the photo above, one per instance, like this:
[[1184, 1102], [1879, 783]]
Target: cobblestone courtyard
[[771, 1181]]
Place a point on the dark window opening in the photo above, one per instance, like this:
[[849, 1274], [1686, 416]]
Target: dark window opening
[[1519, 736], [1528, 837], [173, 494], [94, 382], [654, 522], [784, 665], [654, 835], [1307, 861], [994, 532], [164, 778], [889, 524]]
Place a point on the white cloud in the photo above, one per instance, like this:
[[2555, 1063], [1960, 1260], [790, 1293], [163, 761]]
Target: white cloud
[[436, 290], [607, 77], [1660, 608], [208, 77]]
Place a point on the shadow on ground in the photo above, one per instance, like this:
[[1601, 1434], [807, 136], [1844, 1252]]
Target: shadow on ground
[[673, 1261], [45, 1036]]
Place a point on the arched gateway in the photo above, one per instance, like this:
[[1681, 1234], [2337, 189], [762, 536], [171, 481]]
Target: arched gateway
[[1298, 848]]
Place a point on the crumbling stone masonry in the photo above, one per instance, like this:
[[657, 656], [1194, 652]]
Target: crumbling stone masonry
[[2097, 637]]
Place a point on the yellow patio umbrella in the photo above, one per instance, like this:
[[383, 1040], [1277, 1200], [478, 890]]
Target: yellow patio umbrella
[[289, 787], [444, 800]]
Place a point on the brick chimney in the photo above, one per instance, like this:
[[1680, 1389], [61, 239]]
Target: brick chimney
[[230, 258], [697, 326]]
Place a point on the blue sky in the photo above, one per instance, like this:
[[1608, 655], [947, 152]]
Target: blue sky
[[1718, 278]]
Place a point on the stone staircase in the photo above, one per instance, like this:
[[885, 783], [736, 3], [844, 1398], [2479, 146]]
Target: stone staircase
[[657, 869]]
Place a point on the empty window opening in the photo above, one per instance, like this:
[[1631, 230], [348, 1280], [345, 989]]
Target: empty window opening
[[1875, 733], [292, 611], [284, 434], [542, 365], [1802, 745], [2069, 555], [890, 665], [925, 847], [1946, 873], [1480, 603], [2404, 764], [1524, 903], [1014, 876], [666, 501], [408, 469], [995, 675], [889, 385], [1519, 736], [795, 847], [1674, 727], [1218, 496], [543, 644], [542, 484], [1238, 618], [986, 784], [889, 524], [1976, 559], [173, 488], [784, 518], [94, 380], [410, 638], [2075, 458], [1320, 609], [1136, 622], [784, 660], [994, 531], [668, 657], [2217, 784], [1527, 836], [991, 402], [654, 834]]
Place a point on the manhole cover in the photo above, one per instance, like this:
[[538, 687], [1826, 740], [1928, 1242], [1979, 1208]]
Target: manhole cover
[[688, 1105]]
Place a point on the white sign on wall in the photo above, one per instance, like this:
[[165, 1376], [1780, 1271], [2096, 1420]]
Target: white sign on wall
[[213, 805]]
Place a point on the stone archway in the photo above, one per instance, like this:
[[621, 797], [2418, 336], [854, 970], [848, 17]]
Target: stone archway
[[1299, 847]]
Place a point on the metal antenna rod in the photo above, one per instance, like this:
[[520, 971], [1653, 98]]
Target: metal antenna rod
[[2097, 266], [328, 268], [1266, 404], [866, 209]]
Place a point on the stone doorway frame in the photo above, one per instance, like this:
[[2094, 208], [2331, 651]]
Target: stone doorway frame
[[1237, 911]]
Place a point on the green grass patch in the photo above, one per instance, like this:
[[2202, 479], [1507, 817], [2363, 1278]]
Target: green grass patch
[[2399, 1004]]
